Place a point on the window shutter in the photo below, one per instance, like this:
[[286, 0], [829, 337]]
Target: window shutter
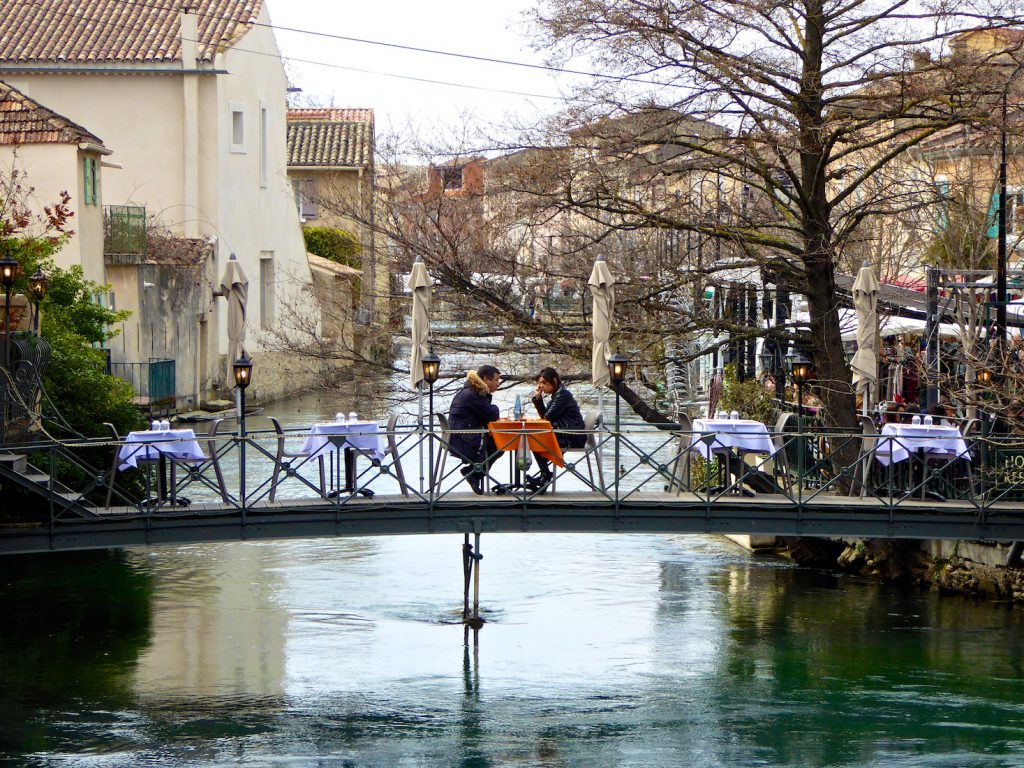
[[309, 206], [993, 216], [87, 181]]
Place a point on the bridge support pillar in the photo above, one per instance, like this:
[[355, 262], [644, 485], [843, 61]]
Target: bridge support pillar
[[471, 558]]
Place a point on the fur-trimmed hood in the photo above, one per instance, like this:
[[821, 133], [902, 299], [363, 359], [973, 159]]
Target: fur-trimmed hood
[[474, 381]]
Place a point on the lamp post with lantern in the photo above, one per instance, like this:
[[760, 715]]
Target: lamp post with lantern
[[243, 377], [9, 269], [37, 285], [617, 364], [431, 369], [800, 371]]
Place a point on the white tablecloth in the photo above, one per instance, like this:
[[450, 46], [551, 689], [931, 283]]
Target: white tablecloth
[[905, 439], [369, 441], [744, 435], [149, 445]]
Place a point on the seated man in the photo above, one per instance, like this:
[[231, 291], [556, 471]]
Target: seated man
[[472, 409], [563, 413]]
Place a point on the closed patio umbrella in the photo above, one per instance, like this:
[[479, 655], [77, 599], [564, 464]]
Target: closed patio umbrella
[[602, 288], [420, 284], [234, 286], [865, 361]]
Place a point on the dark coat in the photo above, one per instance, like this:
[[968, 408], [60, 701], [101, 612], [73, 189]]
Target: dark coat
[[471, 409], [563, 413]]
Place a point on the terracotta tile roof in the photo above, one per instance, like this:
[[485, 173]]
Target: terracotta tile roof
[[332, 114], [97, 31], [329, 144], [26, 121]]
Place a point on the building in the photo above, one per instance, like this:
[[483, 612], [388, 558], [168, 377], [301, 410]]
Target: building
[[332, 173], [190, 96], [50, 153]]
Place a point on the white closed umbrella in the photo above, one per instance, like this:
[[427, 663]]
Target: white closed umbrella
[[602, 288], [865, 361], [420, 284], [234, 286]]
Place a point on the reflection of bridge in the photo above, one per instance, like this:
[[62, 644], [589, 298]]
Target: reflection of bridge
[[802, 489]]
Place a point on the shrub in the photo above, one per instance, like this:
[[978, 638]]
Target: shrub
[[337, 245]]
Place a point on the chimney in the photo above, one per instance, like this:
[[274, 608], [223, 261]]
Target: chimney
[[189, 33]]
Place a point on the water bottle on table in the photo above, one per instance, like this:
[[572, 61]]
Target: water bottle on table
[[517, 409]]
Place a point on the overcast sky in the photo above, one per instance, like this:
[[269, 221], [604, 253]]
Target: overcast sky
[[491, 29]]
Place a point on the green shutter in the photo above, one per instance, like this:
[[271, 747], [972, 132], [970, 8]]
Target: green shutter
[[993, 216], [87, 181], [95, 181]]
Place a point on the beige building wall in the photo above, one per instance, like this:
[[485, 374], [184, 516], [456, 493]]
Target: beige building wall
[[54, 168], [172, 133]]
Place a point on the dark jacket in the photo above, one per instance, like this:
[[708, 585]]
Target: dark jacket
[[563, 413], [471, 409]]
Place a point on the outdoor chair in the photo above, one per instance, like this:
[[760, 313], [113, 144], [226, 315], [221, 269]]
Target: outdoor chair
[[211, 445], [396, 456], [864, 467], [592, 422], [283, 453], [786, 423], [116, 461], [681, 463]]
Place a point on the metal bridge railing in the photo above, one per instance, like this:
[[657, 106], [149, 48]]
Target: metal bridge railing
[[418, 468]]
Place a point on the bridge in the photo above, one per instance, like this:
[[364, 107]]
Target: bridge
[[221, 486]]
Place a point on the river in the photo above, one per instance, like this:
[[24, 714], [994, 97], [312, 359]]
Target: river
[[598, 650]]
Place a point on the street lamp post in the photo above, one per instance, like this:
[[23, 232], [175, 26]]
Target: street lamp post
[[617, 364], [37, 285], [9, 269], [431, 368], [800, 371], [243, 377], [1001, 249]]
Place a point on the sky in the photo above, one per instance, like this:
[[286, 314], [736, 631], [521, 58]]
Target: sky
[[494, 29]]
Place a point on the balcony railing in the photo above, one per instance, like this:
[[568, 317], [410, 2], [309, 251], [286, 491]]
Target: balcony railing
[[124, 230]]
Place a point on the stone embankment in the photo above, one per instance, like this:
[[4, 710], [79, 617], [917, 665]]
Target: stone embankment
[[954, 568]]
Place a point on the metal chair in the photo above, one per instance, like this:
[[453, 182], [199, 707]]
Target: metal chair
[[211, 446], [866, 457], [681, 463], [780, 459], [283, 453], [592, 421], [396, 456]]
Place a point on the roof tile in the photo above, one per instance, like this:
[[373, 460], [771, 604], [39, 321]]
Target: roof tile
[[98, 31], [26, 121], [325, 144]]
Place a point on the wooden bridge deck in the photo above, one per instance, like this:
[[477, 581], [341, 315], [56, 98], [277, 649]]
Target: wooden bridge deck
[[641, 512]]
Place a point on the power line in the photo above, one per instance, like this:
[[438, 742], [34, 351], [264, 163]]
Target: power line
[[525, 94], [404, 47]]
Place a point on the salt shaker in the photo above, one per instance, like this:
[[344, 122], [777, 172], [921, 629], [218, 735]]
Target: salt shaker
[[735, 415], [916, 419], [352, 417], [165, 425], [155, 425], [928, 420], [339, 417]]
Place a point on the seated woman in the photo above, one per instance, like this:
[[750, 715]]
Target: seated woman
[[563, 413]]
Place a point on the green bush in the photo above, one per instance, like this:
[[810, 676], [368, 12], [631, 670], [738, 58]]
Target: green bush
[[749, 398], [336, 245]]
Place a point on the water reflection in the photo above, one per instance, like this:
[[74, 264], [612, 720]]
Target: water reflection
[[71, 630], [599, 651]]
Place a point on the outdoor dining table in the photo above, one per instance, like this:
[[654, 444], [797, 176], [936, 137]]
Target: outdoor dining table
[[158, 445], [897, 442], [730, 438], [535, 435], [326, 439]]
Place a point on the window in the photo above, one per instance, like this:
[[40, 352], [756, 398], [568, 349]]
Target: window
[[237, 127], [305, 197], [266, 290], [90, 191], [263, 145], [451, 178], [1014, 213]]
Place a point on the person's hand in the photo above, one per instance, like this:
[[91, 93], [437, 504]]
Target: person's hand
[[538, 393]]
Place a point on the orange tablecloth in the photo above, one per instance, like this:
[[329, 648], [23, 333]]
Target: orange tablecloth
[[539, 437]]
